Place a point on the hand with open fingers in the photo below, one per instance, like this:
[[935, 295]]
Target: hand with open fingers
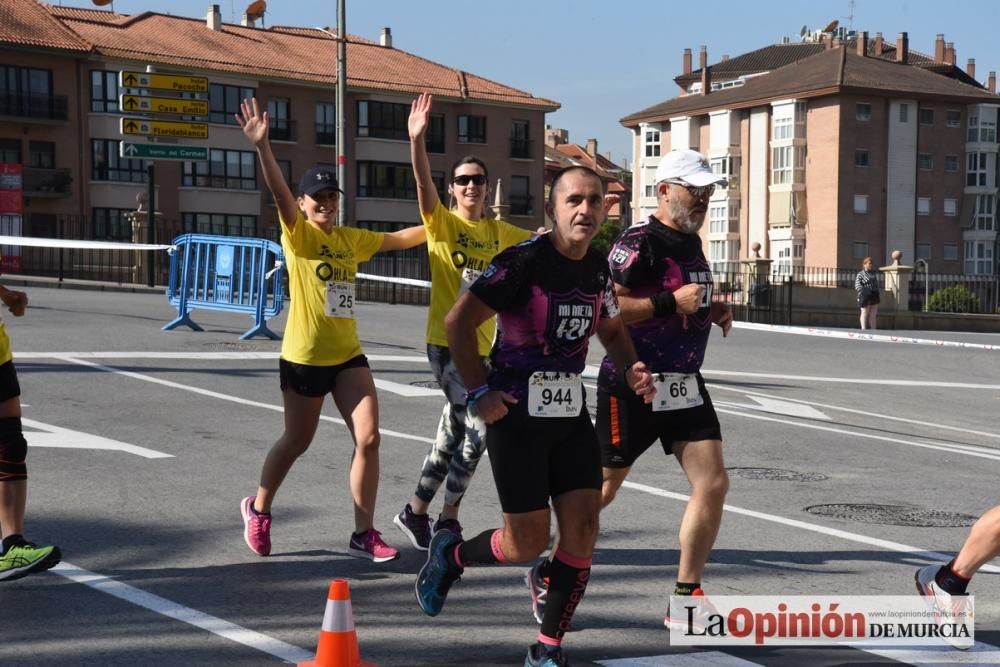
[[722, 315], [254, 122], [420, 113], [641, 381], [15, 301], [492, 406], [688, 298]]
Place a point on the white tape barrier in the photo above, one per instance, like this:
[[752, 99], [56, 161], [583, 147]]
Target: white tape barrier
[[857, 335], [79, 245], [398, 281]]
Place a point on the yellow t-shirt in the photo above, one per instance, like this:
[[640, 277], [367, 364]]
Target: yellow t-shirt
[[459, 251], [321, 330], [5, 353]]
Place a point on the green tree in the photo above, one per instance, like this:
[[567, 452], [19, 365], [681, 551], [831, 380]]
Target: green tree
[[954, 299], [605, 237]]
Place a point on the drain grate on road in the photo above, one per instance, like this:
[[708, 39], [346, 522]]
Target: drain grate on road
[[776, 474], [894, 515], [426, 384]]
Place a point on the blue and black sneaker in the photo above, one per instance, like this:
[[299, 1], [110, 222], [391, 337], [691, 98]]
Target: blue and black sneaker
[[438, 574], [540, 655]]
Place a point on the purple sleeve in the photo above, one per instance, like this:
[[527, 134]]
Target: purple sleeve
[[609, 301], [628, 260], [501, 282]]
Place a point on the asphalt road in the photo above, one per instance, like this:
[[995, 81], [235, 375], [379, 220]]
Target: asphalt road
[[143, 442]]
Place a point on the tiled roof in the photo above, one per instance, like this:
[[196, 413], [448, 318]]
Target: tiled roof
[[826, 73], [283, 53], [28, 24]]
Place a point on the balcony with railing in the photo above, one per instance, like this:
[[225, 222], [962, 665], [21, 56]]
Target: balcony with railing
[[520, 148], [282, 129], [34, 107], [326, 134], [520, 205], [46, 182]]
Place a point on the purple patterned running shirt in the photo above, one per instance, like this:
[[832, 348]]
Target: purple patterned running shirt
[[548, 306], [648, 258]]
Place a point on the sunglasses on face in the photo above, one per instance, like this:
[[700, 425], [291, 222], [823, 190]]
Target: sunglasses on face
[[696, 191], [465, 179]]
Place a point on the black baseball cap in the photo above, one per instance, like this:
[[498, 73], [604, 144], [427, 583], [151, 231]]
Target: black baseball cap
[[318, 179]]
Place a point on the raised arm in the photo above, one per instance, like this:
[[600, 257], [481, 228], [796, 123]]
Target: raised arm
[[420, 113], [255, 127], [404, 238]]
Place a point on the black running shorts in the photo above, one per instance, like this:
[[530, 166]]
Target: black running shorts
[[315, 380], [626, 427], [9, 386], [537, 458]]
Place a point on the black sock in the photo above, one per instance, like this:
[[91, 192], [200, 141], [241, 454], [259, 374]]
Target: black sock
[[686, 588], [567, 584], [12, 540], [477, 551], [952, 582], [254, 510], [543, 568]]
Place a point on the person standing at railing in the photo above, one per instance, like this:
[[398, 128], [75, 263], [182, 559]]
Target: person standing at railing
[[19, 557], [866, 287], [320, 353], [461, 242]]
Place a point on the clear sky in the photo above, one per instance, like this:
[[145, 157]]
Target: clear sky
[[604, 60]]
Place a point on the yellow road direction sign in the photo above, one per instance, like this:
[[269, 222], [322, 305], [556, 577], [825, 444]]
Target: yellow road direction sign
[[163, 128], [176, 82], [171, 105]]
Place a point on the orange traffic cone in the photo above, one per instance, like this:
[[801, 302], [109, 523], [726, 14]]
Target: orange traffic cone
[[338, 642]]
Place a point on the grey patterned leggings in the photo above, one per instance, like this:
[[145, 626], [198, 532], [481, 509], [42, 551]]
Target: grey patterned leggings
[[460, 436]]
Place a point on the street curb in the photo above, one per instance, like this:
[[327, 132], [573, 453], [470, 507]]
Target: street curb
[[90, 285]]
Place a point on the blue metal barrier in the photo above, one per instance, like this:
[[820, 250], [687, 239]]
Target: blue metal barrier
[[231, 273]]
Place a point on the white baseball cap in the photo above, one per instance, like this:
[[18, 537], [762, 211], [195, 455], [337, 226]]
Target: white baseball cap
[[687, 166]]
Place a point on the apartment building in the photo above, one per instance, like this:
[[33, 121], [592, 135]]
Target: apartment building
[[836, 148], [60, 119]]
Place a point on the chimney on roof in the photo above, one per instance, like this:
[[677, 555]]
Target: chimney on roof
[[939, 48], [725, 57], [878, 45], [214, 18], [949, 53], [555, 136], [991, 82], [686, 61], [246, 21], [385, 39], [592, 147], [706, 80], [970, 68], [863, 43], [903, 48]]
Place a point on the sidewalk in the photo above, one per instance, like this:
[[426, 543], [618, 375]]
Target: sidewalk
[[13, 279]]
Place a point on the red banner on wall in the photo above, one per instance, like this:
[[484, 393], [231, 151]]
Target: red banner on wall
[[11, 208]]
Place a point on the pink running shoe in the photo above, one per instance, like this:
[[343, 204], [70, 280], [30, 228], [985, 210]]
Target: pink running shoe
[[256, 528], [370, 545]]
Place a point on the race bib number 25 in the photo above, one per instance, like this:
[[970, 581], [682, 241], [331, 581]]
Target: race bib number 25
[[340, 299]]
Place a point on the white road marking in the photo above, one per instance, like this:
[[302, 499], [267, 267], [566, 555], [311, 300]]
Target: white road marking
[[165, 607], [48, 435], [194, 356], [862, 336], [709, 658], [224, 397], [780, 407], [407, 390], [802, 525], [852, 380], [931, 656]]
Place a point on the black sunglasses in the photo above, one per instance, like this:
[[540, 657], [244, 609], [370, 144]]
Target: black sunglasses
[[696, 191], [465, 179]]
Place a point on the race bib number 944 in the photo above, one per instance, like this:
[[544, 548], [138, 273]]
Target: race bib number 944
[[676, 391], [554, 394]]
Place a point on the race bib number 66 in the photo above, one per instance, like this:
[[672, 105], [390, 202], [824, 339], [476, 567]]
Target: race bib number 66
[[676, 391]]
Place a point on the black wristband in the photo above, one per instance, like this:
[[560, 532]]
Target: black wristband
[[664, 304]]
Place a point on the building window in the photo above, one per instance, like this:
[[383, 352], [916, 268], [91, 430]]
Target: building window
[[10, 151], [788, 165], [924, 251], [471, 129], [108, 166], [520, 196], [985, 209], [279, 115], [784, 128], [723, 255], [326, 124], [434, 137], [224, 102], [860, 203], [718, 218], [27, 92], [925, 161], [860, 249], [862, 158], [953, 118], [904, 113], [383, 120], [863, 112], [650, 190], [389, 180], [976, 172], [950, 252], [112, 224], [926, 116], [979, 257], [652, 143], [230, 170], [982, 130], [923, 205], [951, 207], [41, 155], [104, 93], [951, 164], [520, 144], [224, 224]]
